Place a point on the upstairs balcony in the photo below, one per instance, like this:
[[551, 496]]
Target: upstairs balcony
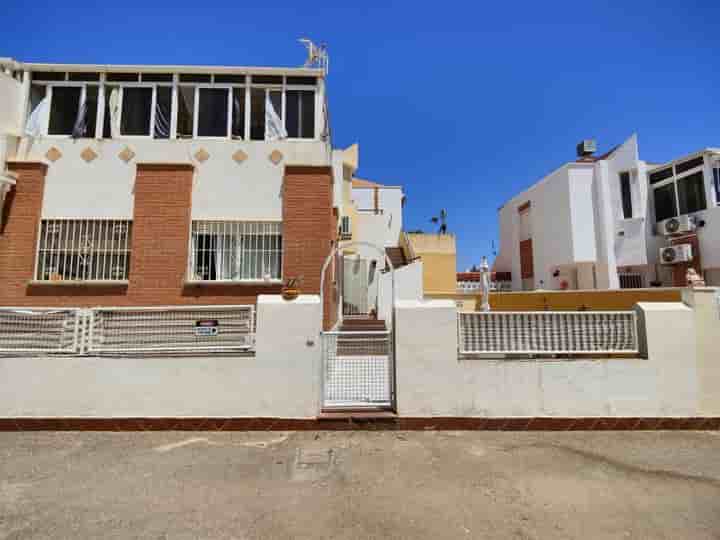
[[172, 102]]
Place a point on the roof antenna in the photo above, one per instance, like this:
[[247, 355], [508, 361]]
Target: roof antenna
[[317, 55]]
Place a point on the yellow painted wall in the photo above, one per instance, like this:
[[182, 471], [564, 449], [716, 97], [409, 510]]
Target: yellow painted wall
[[617, 300], [437, 252]]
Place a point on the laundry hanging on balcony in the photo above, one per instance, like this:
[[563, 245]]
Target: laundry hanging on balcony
[[38, 118], [274, 128]]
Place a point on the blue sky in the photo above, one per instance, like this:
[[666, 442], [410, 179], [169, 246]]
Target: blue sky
[[464, 104]]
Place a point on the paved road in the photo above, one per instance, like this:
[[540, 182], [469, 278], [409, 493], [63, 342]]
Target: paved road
[[435, 485]]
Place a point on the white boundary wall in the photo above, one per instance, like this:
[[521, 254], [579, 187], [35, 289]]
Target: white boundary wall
[[433, 381], [281, 380]]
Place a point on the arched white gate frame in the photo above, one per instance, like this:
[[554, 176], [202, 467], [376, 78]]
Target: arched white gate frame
[[382, 254], [357, 367]]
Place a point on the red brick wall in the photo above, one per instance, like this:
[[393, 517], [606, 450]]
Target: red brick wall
[[161, 228], [19, 230], [309, 229]]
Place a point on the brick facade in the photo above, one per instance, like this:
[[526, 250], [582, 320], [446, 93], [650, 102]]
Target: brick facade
[[309, 230], [161, 225]]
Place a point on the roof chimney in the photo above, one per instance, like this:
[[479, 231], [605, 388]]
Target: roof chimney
[[586, 148]]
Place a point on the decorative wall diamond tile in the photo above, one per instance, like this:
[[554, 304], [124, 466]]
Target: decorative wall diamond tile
[[53, 154], [239, 156], [126, 154], [202, 155], [276, 156], [88, 154]]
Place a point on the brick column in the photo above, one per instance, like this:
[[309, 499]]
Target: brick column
[[161, 228], [19, 229], [309, 228]]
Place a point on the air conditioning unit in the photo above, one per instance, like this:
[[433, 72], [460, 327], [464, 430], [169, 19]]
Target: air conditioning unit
[[676, 254], [677, 225]]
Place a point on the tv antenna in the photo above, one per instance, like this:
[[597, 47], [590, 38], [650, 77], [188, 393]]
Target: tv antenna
[[317, 55], [442, 220]]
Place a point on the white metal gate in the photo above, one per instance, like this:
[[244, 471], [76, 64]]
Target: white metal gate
[[358, 370]]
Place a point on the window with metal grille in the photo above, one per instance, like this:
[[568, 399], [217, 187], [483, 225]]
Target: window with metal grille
[[84, 250], [235, 251]]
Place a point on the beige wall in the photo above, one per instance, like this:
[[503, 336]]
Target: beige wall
[[10, 91], [438, 254], [433, 381], [706, 307], [280, 380]]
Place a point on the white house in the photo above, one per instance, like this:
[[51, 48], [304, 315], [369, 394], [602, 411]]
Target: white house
[[614, 221], [141, 185]]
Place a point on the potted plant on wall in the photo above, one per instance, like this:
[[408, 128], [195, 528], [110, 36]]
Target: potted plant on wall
[[291, 288]]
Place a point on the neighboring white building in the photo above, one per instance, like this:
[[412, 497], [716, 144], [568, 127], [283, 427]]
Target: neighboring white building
[[600, 222]]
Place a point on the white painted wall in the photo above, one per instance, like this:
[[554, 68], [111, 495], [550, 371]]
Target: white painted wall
[[10, 90], [408, 283], [281, 380], [576, 219], [382, 229], [222, 188], [432, 381], [582, 221]]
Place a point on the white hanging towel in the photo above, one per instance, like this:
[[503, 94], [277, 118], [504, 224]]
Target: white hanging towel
[[37, 118], [114, 103], [274, 128]]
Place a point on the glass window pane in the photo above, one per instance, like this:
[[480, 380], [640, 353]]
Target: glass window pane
[[230, 79], [690, 164], [661, 175], [664, 198], [626, 194], [257, 114], [300, 114], [691, 193], [307, 114], [83, 76], [292, 113], [136, 109], [162, 112], [213, 112], [186, 110], [716, 177], [91, 110], [238, 120], [64, 110]]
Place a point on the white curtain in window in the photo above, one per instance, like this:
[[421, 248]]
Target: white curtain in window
[[226, 266], [274, 128], [114, 104], [80, 125], [38, 118], [192, 262]]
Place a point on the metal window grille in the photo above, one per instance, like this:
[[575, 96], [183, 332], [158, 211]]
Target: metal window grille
[[172, 329], [631, 281], [345, 228], [84, 250], [235, 251], [39, 330], [358, 369], [548, 332]]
